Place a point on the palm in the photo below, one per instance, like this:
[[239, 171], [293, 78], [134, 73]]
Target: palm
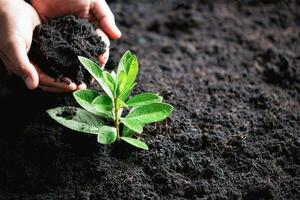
[[23, 28], [16, 31], [97, 11]]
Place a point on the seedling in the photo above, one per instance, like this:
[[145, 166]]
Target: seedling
[[143, 108]]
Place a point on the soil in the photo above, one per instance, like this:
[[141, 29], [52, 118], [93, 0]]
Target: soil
[[57, 43], [67, 112], [231, 70]]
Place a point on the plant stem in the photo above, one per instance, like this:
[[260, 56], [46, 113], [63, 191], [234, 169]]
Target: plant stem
[[117, 118]]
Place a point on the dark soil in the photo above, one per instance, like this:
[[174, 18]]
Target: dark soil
[[57, 44], [231, 70], [67, 112]]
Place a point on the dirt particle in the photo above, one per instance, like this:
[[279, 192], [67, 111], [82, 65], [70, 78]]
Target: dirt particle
[[67, 113]]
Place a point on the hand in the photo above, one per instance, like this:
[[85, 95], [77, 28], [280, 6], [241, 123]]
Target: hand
[[96, 11], [17, 21]]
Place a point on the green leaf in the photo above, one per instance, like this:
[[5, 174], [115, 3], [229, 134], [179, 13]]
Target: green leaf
[[129, 64], [127, 132], [150, 113], [135, 142], [82, 120], [114, 75], [123, 63], [121, 104], [103, 104], [85, 98], [121, 81], [109, 81], [107, 135], [144, 99], [86, 95], [133, 70], [96, 72], [103, 101], [126, 92], [132, 124]]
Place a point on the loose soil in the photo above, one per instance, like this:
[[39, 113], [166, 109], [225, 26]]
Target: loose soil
[[232, 73], [57, 43]]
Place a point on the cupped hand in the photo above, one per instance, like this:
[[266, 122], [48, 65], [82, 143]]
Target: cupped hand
[[96, 11], [17, 21]]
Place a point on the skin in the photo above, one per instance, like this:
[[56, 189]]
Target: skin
[[18, 20]]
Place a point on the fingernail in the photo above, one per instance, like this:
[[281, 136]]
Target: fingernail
[[29, 83]]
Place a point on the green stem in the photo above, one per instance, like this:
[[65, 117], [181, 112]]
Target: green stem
[[117, 123]]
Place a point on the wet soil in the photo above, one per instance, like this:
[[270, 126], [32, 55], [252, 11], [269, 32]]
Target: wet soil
[[57, 43], [230, 69]]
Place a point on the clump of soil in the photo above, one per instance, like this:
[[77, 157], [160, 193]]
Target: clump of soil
[[58, 42], [67, 112]]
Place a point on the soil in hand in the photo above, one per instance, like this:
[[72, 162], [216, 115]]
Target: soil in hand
[[57, 43]]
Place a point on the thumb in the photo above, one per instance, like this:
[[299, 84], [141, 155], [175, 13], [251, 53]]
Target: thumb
[[106, 19], [30, 75], [18, 62]]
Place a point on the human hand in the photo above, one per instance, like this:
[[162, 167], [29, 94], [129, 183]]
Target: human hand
[[17, 21], [96, 11]]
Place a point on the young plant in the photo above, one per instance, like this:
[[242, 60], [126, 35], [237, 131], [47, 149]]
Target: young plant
[[143, 108]]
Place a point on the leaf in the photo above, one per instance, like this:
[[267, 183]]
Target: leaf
[[82, 120], [127, 132], [85, 98], [129, 64], [86, 95], [132, 124], [114, 75], [126, 92], [150, 113], [121, 82], [107, 135], [121, 104], [103, 101], [96, 72], [123, 63], [144, 99], [135, 142], [109, 81], [133, 70], [103, 104]]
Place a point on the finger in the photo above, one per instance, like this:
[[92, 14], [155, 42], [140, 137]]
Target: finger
[[51, 82], [81, 86], [53, 89], [48, 81], [103, 57], [106, 19], [18, 63]]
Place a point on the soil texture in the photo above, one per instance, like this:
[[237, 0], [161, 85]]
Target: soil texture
[[57, 43]]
